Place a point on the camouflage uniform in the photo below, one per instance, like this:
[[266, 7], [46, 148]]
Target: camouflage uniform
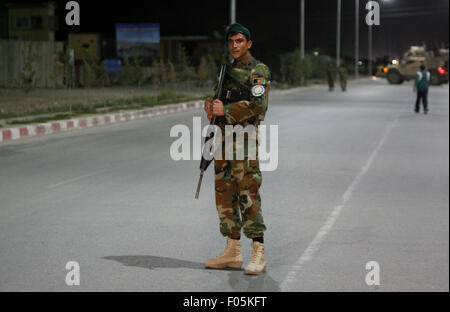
[[343, 77], [331, 76], [237, 181]]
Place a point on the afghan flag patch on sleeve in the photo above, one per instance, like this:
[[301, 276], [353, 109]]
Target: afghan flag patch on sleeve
[[259, 81]]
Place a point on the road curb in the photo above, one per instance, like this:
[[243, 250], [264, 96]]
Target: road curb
[[10, 134]]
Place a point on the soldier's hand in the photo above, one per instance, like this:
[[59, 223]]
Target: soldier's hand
[[218, 108]]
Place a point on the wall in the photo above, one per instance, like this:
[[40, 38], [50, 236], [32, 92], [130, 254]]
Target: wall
[[13, 57]]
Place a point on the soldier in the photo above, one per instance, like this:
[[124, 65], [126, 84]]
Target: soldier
[[237, 182], [331, 76], [343, 77]]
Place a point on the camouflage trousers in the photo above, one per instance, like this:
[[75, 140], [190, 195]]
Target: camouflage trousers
[[238, 202]]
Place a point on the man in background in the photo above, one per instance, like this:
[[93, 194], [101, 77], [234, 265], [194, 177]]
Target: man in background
[[342, 70], [421, 85], [331, 76]]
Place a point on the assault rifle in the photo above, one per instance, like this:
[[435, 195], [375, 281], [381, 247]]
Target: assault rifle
[[204, 163]]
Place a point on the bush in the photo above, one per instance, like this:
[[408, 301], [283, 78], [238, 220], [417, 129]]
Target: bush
[[186, 71], [132, 71], [295, 70]]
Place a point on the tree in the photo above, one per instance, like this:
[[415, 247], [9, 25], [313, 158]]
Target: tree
[[139, 74], [186, 72], [89, 73], [127, 76], [155, 75], [212, 67], [163, 71], [172, 74], [27, 79], [202, 72], [294, 69]]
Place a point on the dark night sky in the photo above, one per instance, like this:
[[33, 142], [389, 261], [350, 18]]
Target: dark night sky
[[275, 24]]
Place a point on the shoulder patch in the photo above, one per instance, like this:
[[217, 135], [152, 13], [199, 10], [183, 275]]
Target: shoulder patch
[[258, 90], [258, 79]]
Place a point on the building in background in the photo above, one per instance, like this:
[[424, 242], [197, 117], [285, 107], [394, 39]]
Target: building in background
[[85, 46], [31, 22]]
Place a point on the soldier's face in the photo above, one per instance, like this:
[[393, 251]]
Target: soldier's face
[[238, 46]]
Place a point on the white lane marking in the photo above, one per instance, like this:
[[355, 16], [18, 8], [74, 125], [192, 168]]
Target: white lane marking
[[75, 179], [320, 236]]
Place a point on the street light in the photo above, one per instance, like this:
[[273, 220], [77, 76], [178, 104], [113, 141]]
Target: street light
[[302, 36], [338, 44], [233, 11], [302, 29], [370, 50], [356, 38]]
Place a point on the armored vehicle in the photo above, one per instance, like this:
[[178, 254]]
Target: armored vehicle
[[407, 68]]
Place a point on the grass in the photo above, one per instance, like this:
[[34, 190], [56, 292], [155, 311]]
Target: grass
[[43, 105]]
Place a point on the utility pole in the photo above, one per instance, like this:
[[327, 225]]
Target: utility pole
[[302, 29], [338, 45], [233, 11], [370, 50], [302, 37], [356, 39]]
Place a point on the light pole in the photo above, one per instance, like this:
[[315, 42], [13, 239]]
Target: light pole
[[338, 44], [233, 11], [302, 37], [302, 29], [356, 39], [370, 50]]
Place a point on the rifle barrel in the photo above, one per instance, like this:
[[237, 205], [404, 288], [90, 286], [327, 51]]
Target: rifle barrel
[[199, 184]]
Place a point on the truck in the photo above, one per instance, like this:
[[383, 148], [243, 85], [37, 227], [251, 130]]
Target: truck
[[407, 68]]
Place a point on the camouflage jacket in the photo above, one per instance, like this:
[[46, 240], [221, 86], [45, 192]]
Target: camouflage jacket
[[246, 88], [247, 85]]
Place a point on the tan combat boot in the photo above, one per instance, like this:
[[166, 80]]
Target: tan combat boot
[[257, 264], [231, 257]]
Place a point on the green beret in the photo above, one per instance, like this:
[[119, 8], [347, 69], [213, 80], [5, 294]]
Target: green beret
[[236, 27]]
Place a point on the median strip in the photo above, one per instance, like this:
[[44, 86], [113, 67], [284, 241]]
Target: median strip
[[15, 133]]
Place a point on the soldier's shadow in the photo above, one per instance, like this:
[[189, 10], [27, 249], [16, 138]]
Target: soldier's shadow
[[236, 278], [153, 262], [254, 283]]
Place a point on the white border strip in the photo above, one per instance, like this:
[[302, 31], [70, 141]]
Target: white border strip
[[132, 115]]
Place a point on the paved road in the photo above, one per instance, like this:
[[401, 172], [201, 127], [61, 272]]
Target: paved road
[[360, 178]]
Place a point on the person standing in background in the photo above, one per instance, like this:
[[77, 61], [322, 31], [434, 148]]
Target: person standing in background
[[342, 70], [421, 85], [331, 76]]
